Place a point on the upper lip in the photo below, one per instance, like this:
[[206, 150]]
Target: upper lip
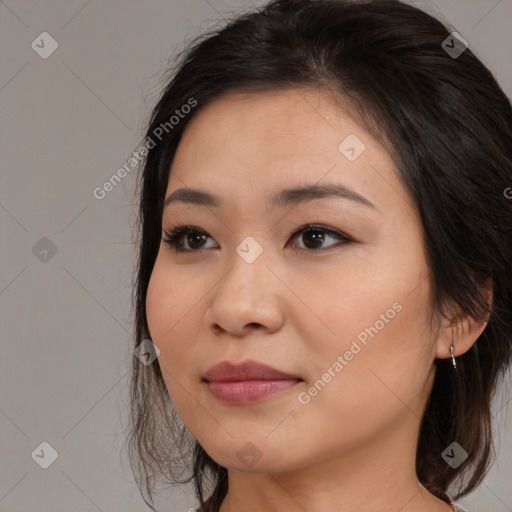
[[248, 370]]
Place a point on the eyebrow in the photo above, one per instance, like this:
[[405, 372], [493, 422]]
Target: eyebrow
[[284, 198]]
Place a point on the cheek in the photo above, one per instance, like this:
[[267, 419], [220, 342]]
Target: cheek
[[173, 305], [378, 323], [344, 307], [384, 365], [165, 314], [157, 299], [169, 300]]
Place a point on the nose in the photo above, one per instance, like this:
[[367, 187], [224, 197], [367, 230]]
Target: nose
[[248, 298]]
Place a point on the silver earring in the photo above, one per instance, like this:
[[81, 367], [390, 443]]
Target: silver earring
[[453, 359]]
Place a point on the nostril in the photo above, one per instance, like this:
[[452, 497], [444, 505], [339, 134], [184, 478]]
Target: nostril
[[254, 324]]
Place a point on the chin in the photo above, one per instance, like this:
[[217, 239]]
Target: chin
[[251, 456]]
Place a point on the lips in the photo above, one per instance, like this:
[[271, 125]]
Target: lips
[[247, 382], [248, 370]]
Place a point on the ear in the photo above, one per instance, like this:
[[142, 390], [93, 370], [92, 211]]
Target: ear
[[461, 330]]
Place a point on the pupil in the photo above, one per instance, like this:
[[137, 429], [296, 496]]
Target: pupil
[[192, 236], [316, 236]]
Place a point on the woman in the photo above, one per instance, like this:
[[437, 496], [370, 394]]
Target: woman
[[324, 265]]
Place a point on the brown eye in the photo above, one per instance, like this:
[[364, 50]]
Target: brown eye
[[195, 240], [186, 239], [313, 239], [314, 236]]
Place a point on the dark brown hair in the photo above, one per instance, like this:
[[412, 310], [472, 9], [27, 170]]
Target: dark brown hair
[[448, 127]]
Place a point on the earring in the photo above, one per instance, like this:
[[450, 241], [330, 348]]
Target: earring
[[453, 359]]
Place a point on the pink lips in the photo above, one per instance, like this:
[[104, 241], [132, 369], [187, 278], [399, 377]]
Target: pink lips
[[247, 382]]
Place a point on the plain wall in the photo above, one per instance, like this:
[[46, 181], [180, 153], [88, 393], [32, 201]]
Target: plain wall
[[69, 122]]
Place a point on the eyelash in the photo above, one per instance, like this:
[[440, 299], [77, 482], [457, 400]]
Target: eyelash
[[173, 237]]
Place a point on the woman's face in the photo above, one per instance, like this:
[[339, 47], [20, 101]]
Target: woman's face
[[350, 319]]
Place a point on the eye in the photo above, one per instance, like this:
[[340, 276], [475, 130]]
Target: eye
[[315, 234], [191, 238], [195, 236]]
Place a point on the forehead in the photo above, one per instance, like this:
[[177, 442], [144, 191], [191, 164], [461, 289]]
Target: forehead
[[248, 144], [271, 122]]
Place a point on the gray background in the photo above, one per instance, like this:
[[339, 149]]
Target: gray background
[[69, 122]]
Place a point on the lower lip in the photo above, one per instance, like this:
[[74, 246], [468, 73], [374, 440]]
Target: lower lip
[[248, 391]]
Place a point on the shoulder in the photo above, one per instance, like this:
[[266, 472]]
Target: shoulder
[[457, 508]]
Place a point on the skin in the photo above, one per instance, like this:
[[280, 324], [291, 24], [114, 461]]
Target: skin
[[298, 308]]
